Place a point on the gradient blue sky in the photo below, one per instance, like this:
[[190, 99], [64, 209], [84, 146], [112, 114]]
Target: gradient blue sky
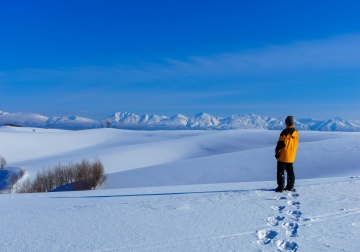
[[93, 58]]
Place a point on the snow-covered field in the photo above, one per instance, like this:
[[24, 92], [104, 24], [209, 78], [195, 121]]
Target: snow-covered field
[[185, 191]]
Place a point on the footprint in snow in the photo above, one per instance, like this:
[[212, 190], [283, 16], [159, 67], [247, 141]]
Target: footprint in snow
[[295, 214], [280, 198], [274, 220], [278, 208], [294, 195], [287, 246], [294, 204], [291, 228], [265, 236]]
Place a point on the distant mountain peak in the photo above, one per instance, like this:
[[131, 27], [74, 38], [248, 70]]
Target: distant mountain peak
[[129, 120]]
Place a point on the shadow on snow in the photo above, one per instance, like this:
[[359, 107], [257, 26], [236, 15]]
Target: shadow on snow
[[161, 194]]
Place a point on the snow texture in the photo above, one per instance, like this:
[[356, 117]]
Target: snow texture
[[184, 191]]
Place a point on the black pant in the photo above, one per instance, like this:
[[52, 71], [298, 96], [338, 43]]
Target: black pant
[[288, 167]]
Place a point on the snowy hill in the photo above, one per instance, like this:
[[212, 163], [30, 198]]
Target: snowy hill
[[184, 191], [23, 119], [39, 121], [3, 113], [163, 158], [203, 121], [71, 122], [335, 124], [128, 120]]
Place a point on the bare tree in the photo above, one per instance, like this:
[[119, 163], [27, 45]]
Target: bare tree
[[2, 162], [25, 187], [13, 179], [82, 170], [96, 176]]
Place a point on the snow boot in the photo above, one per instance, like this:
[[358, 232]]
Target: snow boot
[[279, 189]]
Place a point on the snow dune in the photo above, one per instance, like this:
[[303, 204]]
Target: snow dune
[[185, 191], [165, 158]]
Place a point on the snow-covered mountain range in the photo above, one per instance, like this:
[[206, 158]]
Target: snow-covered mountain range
[[127, 120]]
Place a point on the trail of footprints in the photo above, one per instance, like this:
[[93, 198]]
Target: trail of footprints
[[284, 220]]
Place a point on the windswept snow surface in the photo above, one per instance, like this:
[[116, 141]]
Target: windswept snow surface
[[185, 191]]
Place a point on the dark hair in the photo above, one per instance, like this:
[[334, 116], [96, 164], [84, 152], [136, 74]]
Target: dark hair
[[289, 120]]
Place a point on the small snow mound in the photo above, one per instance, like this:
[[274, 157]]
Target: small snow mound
[[287, 246], [265, 236]]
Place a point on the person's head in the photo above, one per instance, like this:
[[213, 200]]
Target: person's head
[[289, 121]]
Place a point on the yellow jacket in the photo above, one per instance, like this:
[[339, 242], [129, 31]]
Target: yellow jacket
[[287, 145]]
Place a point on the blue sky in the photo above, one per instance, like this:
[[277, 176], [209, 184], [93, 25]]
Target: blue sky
[[93, 58]]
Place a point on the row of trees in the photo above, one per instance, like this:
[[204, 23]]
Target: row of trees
[[89, 173]]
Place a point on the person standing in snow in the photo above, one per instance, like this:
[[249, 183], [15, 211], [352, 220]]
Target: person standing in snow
[[285, 153]]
